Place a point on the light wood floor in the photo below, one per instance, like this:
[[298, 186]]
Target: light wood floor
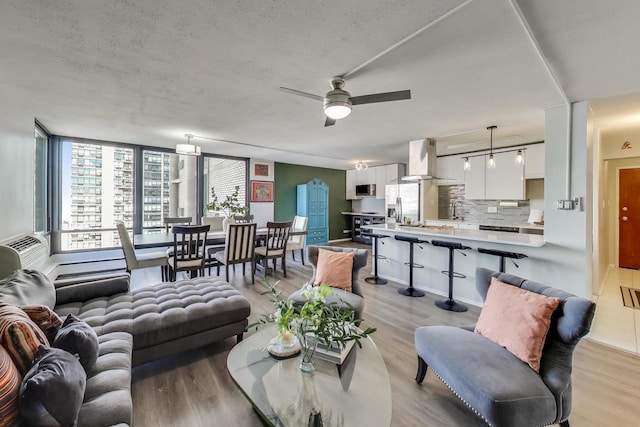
[[194, 388]]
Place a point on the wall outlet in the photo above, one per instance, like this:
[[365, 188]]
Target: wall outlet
[[492, 209]]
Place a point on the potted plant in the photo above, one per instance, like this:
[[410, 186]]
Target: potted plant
[[315, 322], [229, 207]]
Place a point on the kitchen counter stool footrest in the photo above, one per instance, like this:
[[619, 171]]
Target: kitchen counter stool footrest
[[411, 291], [375, 279], [449, 303]]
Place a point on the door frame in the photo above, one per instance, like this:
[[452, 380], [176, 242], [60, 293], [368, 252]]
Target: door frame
[[614, 212]]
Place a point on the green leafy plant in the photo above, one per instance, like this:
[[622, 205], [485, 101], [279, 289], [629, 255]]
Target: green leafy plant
[[230, 206], [326, 322]]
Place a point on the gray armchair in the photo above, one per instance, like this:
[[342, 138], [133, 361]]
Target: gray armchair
[[355, 297], [498, 386]]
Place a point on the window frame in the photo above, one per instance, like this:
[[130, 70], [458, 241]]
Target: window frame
[[55, 154]]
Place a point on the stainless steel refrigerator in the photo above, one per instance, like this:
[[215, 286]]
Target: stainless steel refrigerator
[[403, 203]]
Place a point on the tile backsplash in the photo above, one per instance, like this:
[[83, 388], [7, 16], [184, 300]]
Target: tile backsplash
[[476, 210]]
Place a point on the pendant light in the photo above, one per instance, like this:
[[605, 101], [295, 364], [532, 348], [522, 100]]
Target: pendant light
[[467, 164], [188, 149], [492, 161], [519, 157]]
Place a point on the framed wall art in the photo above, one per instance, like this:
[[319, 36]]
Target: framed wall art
[[261, 170], [261, 191]]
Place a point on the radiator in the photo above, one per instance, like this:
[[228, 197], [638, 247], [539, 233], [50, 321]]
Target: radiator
[[28, 251]]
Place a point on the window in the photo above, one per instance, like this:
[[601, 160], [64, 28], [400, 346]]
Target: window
[[41, 184], [88, 169], [224, 175]]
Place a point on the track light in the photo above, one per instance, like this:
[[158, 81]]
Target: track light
[[467, 165], [519, 157]]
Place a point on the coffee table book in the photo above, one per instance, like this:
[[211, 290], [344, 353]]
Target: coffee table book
[[333, 354]]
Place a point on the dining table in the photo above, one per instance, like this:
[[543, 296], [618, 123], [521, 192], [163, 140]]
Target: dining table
[[217, 237]]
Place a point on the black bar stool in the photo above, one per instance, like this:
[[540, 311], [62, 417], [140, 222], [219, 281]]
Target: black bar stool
[[503, 255], [411, 291], [375, 280], [450, 304]]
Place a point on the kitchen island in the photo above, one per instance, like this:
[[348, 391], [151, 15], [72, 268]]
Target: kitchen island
[[435, 259]]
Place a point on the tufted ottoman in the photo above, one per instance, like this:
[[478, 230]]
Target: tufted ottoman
[[168, 317]]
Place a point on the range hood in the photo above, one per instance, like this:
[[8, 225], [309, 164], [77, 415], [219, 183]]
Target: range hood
[[422, 160]]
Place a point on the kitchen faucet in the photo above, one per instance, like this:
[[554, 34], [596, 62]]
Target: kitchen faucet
[[454, 204]]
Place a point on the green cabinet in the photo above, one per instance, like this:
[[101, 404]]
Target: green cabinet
[[313, 202]]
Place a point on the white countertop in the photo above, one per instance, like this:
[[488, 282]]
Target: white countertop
[[363, 214], [497, 223], [519, 239]]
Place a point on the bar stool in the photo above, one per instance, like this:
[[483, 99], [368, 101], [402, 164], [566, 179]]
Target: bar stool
[[375, 280], [503, 255], [450, 304], [411, 291]]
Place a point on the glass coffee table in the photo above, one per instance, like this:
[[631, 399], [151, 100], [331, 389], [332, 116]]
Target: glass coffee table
[[283, 395]]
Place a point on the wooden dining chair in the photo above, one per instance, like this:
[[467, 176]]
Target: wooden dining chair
[[239, 248], [215, 222], [178, 220], [188, 249], [275, 245]]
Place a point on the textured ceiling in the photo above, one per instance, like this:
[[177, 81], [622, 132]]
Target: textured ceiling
[[148, 72]]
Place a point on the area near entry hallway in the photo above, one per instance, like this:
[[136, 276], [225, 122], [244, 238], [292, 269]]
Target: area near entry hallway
[[628, 220]]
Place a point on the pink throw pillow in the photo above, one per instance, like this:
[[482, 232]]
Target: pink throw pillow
[[334, 269], [517, 320]]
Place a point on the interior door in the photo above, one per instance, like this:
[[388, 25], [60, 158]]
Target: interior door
[[629, 218]]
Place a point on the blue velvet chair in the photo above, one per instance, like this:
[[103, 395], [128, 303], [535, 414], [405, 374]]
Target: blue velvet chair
[[494, 383]]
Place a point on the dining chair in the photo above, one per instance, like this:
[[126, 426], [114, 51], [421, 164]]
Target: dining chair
[[188, 249], [178, 220], [136, 261], [275, 245], [215, 222], [239, 248], [297, 242]]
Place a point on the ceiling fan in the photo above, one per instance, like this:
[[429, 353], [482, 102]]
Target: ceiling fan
[[338, 102]]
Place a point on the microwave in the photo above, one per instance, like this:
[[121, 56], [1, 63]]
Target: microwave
[[366, 190]]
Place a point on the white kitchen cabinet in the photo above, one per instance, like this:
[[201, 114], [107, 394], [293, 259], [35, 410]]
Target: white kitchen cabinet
[[371, 175], [450, 169], [381, 181], [506, 180], [351, 184], [534, 161], [474, 179]]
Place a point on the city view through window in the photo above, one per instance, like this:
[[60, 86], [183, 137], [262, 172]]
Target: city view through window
[[98, 189]]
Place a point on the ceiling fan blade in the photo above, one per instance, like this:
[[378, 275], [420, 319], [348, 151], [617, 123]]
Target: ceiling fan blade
[[329, 121], [381, 97], [301, 93]]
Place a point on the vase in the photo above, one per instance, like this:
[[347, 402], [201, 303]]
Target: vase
[[308, 345], [226, 221]]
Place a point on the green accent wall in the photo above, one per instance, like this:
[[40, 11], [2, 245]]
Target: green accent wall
[[287, 177]]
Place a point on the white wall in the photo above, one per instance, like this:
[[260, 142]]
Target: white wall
[[17, 154], [565, 256], [261, 211]]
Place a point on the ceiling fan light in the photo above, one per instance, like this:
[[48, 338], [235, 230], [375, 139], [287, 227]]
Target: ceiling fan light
[[337, 109]]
